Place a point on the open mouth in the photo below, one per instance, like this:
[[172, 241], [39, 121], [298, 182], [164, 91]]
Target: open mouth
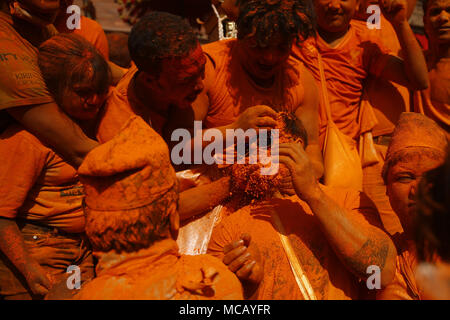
[[191, 98], [265, 67]]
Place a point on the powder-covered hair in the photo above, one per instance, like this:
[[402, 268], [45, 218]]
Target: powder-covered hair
[[131, 230], [66, 60], [433, 214], [158, 36], [262, 19]]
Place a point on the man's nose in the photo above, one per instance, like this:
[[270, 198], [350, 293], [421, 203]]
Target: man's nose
[[268, 58], [199, 84], [335, 4], [444, 16], [413, 190]]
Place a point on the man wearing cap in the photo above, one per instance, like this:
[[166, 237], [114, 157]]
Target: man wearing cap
[[132, 221], [418, 145]]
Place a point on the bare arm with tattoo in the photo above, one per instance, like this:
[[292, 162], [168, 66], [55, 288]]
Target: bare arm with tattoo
[[358, 246]]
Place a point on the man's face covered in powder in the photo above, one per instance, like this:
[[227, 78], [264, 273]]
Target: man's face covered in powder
[[181, 79], [437, 21], [264, 62], [402, 181], [335, 15]]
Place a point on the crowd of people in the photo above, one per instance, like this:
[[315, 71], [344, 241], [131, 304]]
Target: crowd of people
[[359, 208]]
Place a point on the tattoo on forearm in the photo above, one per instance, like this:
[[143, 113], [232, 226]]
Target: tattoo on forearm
[[371, 253]]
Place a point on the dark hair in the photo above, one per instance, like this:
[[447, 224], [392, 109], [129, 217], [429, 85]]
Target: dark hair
[[262, 19], [294, 126], [433, 214], [64, 61], [158, 36]]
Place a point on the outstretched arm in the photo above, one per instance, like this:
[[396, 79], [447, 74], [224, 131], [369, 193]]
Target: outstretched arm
[[308, 113], [412, 71], [357, 243]]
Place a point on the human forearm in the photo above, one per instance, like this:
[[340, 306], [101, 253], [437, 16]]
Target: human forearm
[[414, 64], [203, 198], [13, 246], [56, 129], [315, 156], [357, 246]]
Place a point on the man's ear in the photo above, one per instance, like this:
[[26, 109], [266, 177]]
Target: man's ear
[[174, 219]]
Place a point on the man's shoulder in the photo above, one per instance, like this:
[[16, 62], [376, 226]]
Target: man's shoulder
[[218, 51]]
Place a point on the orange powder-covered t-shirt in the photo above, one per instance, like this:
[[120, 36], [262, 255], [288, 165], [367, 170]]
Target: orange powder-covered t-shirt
[[231, 91], [122, 103], [387, 98], [21, 82], [36, 184], [434, 102], [326, 274], [93, 32], [346, 66]]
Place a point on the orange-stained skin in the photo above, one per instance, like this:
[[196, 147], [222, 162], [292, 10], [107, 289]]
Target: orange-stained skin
[[327, 275], [232, 91], [346, 66]]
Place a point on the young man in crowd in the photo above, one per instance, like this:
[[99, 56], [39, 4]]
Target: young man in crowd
[[418, 145], [248, 78], [165, 80], [351, 53]]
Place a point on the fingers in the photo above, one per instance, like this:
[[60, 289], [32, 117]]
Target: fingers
[[287, 161], [233, 245], [237, 263], [40, 290], [234, 254], [263, 110], [246, 237], [246, 271], [266, 122]]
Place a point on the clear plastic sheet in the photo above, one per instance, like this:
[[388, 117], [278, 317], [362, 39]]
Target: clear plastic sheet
[[193, 238]]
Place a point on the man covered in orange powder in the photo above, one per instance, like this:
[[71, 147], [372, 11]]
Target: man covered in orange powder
[[418, 145], [24, 25], [165, 80], [351, 52], [132, 222], [434, 102], [248, 78], [334, 235]]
